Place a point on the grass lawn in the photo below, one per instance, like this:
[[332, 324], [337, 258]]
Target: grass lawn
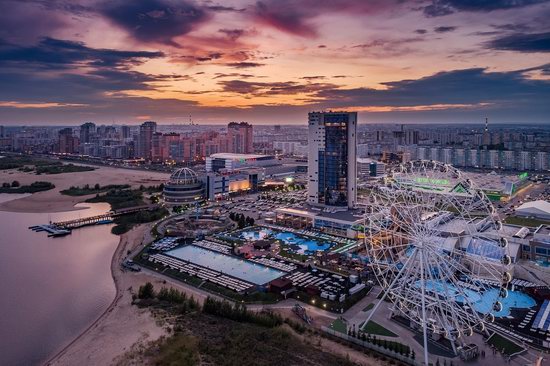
[[339, 326], [524, 221], [503, 344], [368, 307], [375, 328]]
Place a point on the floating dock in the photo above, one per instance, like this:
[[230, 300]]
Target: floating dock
[[52, 230]]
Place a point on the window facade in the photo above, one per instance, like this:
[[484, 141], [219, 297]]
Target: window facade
[[333, 162]]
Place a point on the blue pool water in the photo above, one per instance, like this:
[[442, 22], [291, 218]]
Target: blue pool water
[[483, 302], [305, 245], [236, 267], [543, 263], [515, 299]]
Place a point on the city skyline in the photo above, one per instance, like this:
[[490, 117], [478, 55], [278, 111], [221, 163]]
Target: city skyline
[[442, 61]]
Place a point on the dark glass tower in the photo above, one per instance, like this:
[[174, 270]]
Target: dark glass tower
[[332, 161]]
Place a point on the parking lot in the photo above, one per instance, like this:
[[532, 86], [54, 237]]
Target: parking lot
[[262, 205]]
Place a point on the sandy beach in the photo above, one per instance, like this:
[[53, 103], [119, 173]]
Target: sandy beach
[[53, 201], [122, 324]]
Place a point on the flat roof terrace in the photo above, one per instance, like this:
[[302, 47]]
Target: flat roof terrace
[[233, 156]]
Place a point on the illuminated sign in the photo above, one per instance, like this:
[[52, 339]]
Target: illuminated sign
[[289, 179], [438, 182]]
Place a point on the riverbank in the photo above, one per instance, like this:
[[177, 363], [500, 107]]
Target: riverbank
[[124, 328], [121, 325], [53, 201]]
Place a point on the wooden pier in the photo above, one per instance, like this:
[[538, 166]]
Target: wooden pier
[[64, 227]]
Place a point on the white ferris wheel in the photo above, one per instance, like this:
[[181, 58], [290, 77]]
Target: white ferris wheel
[[427, 242]]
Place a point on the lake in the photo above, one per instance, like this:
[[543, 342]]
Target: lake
[[51, 289]]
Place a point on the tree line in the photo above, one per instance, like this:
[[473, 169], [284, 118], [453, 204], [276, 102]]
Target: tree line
[[224, 309], [241, 220]]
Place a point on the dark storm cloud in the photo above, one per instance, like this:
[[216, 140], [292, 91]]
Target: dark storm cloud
[[221, 75], [232, 34], [387, 47], [534, 42], [244, 65], [26, 21], [155, 20], [271, 88], [222, 8], [71, 72], [444, 29], [446, 7], [296, 17], [70, 88], [512, 27], [316, 77], [56, 53], [469, 86]]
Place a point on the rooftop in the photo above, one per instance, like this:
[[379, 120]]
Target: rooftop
[[239, 156], [540, 205], [317, 212]]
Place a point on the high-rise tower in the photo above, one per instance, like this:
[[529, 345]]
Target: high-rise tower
[[145, 143], [332, 159], [486, 139], [240, 137]]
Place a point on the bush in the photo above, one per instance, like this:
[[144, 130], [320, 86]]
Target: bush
[[32, 188], [240, 313]]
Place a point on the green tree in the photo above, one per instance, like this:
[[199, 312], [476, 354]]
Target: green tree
[[146, 291]]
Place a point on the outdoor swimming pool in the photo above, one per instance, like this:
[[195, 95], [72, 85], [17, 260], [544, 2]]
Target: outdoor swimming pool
[[236, 267], [515, 299], [300, 244], [483, 302]]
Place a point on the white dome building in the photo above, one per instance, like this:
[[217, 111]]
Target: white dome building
[[183, 188]]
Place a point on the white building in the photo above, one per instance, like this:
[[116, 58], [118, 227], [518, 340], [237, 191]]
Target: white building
[[370, 168], [538, 209], [230, 161], [524, 160]]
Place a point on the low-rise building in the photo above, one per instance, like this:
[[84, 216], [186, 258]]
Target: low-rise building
[[328, 220], [183, 188], [538, 209], [219, 185], [230, 162]]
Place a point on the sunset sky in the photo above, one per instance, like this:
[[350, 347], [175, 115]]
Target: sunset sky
[[272, 61]]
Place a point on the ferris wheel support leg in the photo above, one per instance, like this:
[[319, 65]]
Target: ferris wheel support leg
[[453, 345], [387, 291], [424, 328]]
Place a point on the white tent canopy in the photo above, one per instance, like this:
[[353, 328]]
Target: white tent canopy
[[539, 209]]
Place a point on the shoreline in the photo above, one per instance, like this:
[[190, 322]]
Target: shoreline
[[132, 240], [121, 324], [52, 201], [111, 306]]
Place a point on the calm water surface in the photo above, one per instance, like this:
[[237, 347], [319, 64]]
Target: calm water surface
[[51, 289]]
